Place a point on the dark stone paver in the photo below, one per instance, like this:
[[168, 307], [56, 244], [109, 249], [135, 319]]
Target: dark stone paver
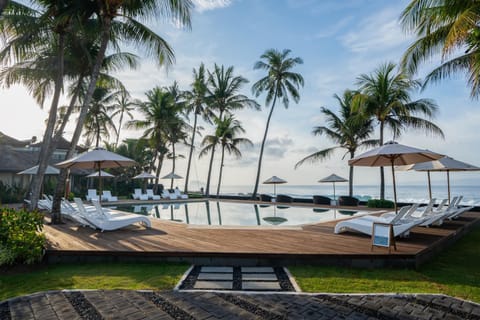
[[166, 305]]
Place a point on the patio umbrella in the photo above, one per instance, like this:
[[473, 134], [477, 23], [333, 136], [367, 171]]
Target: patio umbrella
[[34, 170], [144, 175], [393, 154], [274, 180], [444, 164], [97, 159], [333, 178], [172, 176]]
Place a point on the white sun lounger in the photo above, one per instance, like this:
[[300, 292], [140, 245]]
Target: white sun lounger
[[180, 195], [91, 195], [362, 225], [152, 196], [107, 196], [138, 195], [168, 195], [105, 220]]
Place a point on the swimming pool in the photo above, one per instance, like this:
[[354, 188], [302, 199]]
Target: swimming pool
[[217, 213]]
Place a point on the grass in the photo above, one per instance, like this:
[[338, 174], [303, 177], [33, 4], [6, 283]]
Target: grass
[[454, 272], [134, 276]]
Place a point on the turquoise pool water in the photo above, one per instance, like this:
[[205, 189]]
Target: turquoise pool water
[[238, 214]]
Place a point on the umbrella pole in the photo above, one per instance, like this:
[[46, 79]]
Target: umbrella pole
[[99, 183], [394, 188], [448, 183], [429, 185], [334, 197]]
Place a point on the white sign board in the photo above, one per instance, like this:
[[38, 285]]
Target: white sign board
[[381, 235]]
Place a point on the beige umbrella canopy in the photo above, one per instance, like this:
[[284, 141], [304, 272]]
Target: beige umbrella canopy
[[445, 164], [333, 178], [97, 159], [144, 175], [274, 180], [393, 154], [172, 176], [33, 170], [101, 174]]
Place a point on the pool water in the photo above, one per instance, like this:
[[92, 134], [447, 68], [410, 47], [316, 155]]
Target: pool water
[[217, 213]]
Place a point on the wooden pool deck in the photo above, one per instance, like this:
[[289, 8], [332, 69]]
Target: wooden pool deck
[[309, 244]]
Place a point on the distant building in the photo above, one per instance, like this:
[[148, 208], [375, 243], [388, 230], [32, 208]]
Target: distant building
[[18, 155]]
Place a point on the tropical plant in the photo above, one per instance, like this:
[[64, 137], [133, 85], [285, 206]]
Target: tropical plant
[[209, 144], [122, 106], [227, 131], [279, 83], [350, 130], [449, 28], [196, 103], [385, 96]]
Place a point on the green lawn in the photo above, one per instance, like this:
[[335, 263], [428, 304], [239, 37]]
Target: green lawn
[[158, 276], [455, 272]]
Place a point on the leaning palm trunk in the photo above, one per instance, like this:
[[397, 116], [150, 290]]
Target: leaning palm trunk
[[350, 177], [83, 111], [157, 173], [52, 119], [259, 168], [191, 153], [382, 173], [221, 171], [173, 165], [207, 187]]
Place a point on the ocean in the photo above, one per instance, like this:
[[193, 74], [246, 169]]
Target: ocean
[[405, 193]]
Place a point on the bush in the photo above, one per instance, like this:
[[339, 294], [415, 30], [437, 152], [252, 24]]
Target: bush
[[378, 203], [11, 194], [20, 237]]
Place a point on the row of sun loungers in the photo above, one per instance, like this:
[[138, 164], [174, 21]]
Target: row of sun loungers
[[106, 195], [166, 194], [407, 218]]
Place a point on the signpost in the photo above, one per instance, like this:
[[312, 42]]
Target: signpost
[[382, 236]]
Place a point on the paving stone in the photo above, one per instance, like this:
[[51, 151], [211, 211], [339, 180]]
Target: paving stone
[[225, 285], [217, 269], [260, 276], [258, 285], [215, 276], [257, 269]]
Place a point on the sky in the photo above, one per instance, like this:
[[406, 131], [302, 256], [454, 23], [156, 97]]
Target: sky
[[337, 40]]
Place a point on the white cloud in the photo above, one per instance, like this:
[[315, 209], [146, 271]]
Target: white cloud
[[205, 5]]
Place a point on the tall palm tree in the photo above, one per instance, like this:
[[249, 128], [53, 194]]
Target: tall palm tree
[[223, 91], [279, 83], [442, 28], [349, 130], [123, 105], [209, 144], [227, 132], [385, 96], [224, 97], [197, 102], [98, 122]]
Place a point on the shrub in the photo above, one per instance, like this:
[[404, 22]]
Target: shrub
[[378, 203], [21, 240], [11, 194]]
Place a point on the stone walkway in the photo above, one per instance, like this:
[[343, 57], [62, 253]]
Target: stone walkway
[[122, 304]]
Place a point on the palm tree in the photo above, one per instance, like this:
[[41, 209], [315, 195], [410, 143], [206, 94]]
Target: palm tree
[[209, 144], [349, 130], [98, 122], [385, 96], [279, 83], [123, 105], [223, 91], [197, 103], [227, 132], [442, 27]]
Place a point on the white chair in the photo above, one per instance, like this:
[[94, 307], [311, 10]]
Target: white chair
[[152, 196], [70, 212], [137, 192], [165, 194], [91, 195], [105, 220], [107, 195], [180, 195]]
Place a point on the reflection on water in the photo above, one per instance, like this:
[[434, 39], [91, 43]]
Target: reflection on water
[[238, 214]]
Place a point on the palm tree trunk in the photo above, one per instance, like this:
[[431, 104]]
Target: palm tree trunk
[[44, 156], [173, 165], [191, 153], [119, 128], [259, 168], [350, 177], [207, 187], [221, 171], [382, 173], [157, 173], [87, 99]]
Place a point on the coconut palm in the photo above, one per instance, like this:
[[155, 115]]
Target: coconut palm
[[385, 96], [123, 105], [448, 28], [223, 91], [349, 130], [227, 131], [279, 83], [196, 102], [209, 144]]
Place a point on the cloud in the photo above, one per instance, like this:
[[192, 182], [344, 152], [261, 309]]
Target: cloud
[[206, 5], [378, 32]]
